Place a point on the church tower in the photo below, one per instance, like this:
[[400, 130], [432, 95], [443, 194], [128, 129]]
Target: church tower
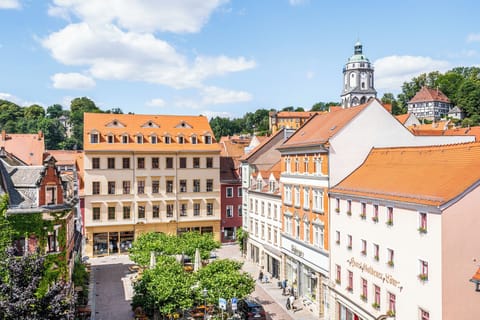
[[357, 79]]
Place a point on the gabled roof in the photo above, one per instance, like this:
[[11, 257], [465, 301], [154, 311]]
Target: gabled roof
[[432, 175], [321, 127], [428, 94], [134, 124], [402, 117], [233, 146]]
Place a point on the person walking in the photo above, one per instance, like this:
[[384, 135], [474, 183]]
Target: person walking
[[290, 302]]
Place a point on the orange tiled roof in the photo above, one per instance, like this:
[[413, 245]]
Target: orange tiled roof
[[147, 125], [233, 146], [321, 127], [422, 175], [471, 131], [297, 114], [428, 94], [27, 147], [402, 117], [428, 130], [64, 157], [476, 276]]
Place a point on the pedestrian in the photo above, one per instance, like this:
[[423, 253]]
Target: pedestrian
[[260, 275], [284, 287], [291, 300]]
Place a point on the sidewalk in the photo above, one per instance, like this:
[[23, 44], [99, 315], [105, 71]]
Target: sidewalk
[[271, 288]]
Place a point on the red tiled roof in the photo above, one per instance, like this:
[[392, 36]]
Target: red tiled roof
[[321, 127], [424, 175], [64, 157], [428, 94], [27, 147]]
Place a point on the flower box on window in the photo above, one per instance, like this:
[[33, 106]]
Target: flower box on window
[[422, 230], [337, 242], [390, 223], [364, 252], [349, 213], [390, 263], [363, 216], [337, 210], [349, 247], [337, 281], [375, 219], [391, 313], [350, 289], [376, 305], [423, 277], [376, 257], [363, 297]]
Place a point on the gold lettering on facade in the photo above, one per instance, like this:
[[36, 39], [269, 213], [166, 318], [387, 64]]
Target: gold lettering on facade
[[388, 278]]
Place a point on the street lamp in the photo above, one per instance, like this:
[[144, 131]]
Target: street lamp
[[204, 293]]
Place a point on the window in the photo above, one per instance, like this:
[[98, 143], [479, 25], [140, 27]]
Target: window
[[424, 315], [389, 216], [288, 165], [196, 185], [297, 165], [141, 212], [391, 303], [349, 242], [364, 247], [196, 162], [422, 222], [141, 163], [350, 281], [338, 278], [306, 198], [155, 163], [194, 139], [126, 187], [141, 187], [95, 187], [169, 186], [209, 208], [337, 205], [94, 138], [337, 237], [52, 243], [111, 163], [208, 140], [168, 140], [169, 210], [169, 162], [95, 163], [110, 138], [183, 209], [209, 162], [126, 163], [229, 192], [375, 213], [51, 195], [239, 210], [364, 289], [318, 166], [305, 165], [363, 213], [318, 200], [377, 296], [111, 187], [349, 207], [111, 213], [318, 235], [229, 211], [376, 251], [154, 139], [209, 185], [125, 139], [306, 231], [126, 212], [182, 162], [183, 185], [423, 270], [288, 195], [139, 139], [391, 256], [96, 213], [196, 209], [155, 186], [297, 196], [239, 191]]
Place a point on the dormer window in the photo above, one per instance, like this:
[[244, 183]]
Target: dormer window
[[139, 138], [110, 138], [154, 139], [168, 140], [124, 138], [181, 139], [194, 139], [259, 184], [208, 139], [272, 185], [94, 137]]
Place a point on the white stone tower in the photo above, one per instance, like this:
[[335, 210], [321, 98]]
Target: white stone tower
[[358, 81]]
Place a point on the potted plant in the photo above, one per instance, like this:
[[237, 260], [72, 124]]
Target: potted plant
[[337, 210], [390, 263], [349, 213], [375, 219], [364, 252], [376, 305], [422, 230], [376, 257], [337, 281], [423, 277], [363, 215], [349, 247], [363, 297], [350, 289], [337, 242], [391, 313], [390, 222]]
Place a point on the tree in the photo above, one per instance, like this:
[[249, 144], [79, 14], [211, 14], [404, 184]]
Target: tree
[[78, 107], [6, 232], [19, 291], [55, 111], [190, 241], [224, 127], [54, 132], [389, 98]]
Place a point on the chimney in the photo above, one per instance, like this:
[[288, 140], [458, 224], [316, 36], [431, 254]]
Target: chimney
[[40, 135]]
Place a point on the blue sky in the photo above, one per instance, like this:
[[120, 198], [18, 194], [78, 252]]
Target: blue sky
[[220, 57]]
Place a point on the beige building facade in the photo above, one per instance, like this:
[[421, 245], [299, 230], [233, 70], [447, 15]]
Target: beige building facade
[[148, 173]]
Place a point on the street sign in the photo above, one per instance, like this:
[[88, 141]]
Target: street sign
[[234, 304], [222, 304]]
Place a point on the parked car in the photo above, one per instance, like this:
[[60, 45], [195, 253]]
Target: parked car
[[250, 310]]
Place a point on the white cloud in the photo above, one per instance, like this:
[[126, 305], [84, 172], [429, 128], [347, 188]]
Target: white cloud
[[11, 98], [156, 103], [473, 37], [143, 15], [211, 114], [72, 81], [391, 72], [113, 54], [215, 95], [10, 4], [297, 2]]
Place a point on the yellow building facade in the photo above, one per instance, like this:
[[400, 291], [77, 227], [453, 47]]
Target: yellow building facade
[[148, 173]]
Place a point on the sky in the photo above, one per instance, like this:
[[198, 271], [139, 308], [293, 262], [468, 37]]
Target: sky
[[222, 57]]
